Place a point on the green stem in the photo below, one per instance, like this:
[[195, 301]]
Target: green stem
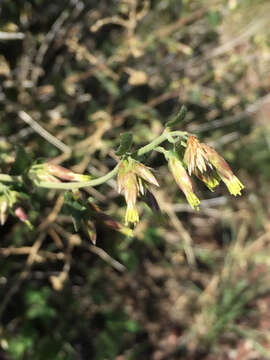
[[77, 185], [152, 145]]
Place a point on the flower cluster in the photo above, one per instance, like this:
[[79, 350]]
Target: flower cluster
[[206, 164], [187, 157], [132, 178], [198, 158]]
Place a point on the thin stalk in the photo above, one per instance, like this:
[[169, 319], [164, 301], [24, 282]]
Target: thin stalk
[[152, 145]]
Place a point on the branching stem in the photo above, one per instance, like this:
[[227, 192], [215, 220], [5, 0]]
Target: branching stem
[[77, 185]]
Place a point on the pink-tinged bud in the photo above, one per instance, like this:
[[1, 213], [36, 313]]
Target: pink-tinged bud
[[46, 177], [105, 219], [115, 225], [145, 173], [38, 174], [183, 181], [91, 230], [65, 174], [20, 213], [3, 210], [195, 156], [233, 184]]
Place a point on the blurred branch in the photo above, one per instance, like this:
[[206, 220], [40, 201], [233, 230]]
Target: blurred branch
[[250, 30], [42, 132], [250, 110], [11, 35], [26, 250], [78, 5], [106, 257], [23, 275]]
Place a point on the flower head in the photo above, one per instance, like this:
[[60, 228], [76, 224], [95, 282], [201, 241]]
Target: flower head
[[127, 183], [131, 179], [223, 169], [183, 181], [202, 160]]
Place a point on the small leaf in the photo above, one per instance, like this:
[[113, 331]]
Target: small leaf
[[151, 201], [76, 220], [91, 230], [125, 143], [22, 161], [180, 117], [76, 209], [214, 18]]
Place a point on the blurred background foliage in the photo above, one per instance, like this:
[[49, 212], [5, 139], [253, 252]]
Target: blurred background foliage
[[195, 284]]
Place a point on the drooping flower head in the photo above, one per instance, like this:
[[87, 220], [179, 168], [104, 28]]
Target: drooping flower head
[[130, 181], [203, 161], [223, 169], [183, 180]]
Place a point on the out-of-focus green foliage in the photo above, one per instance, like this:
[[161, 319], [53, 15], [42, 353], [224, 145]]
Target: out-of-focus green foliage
[[196, 284]]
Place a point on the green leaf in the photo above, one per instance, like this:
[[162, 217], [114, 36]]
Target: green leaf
[[22, 162], [18, 345], [214, 18], [37, 304], [180, 117], [125, 143], [76, 209]]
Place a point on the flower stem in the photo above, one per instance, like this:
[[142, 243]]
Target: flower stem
[[77, 185], [152, 145]]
